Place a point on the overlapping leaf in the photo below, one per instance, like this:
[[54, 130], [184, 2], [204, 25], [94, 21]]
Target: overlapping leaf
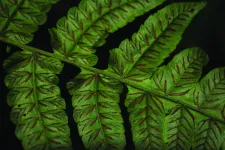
[[87, 26], [158, 123], [96, 110], [179, 79], [154, 41], [37, 108], [169, 108], [19, 19]]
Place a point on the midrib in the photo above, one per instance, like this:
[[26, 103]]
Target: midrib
[[36, 97], [10, 17], [187, 104], [92, 23], [154, 41], [96, 20]]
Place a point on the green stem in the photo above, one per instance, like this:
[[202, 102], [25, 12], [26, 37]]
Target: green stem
[[115, 76], [32, 49]]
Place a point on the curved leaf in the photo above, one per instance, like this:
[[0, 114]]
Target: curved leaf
[[19, 19], [154, 41], [37, 108], [96, 110], [87, 26]]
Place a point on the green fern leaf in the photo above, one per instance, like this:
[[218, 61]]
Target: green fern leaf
[[159, 123], [19, 19], [154, 41], [171, 106], [181, 74], [164, 125], [87, 26], [96, 110], [210, 92], [165, 112], [37, 108]]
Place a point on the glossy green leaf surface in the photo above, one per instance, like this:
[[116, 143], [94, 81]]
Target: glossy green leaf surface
[[96, 110], [154, 41], [37, 108], [19, 19], [87, 26]]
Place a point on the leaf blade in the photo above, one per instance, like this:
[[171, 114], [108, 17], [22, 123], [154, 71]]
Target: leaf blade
[[87, 25], [96, 110], [37, 108], [154, 41], [157, 123], [20, 19]]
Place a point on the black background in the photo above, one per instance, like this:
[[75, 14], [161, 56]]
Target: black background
[[207, 31]]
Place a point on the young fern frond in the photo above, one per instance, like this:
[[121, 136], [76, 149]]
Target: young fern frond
[[19, 19], [169, 108]]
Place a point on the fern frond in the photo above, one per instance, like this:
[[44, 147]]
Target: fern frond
[[37, 108], [158, 123], [87, 26], [96, 110], [210, 93], [19, 19], [181, 74], [169, 108], [154, 41]]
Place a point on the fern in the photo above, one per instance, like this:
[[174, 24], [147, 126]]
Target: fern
[[87, 26], [37, 106], [96, 111], [20, 18], [170, 105]]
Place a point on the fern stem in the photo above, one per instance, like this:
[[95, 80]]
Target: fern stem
[[22, 46], [115, 76], [40, 51]]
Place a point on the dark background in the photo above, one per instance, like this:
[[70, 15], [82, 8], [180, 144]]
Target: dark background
[[207, 31]]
